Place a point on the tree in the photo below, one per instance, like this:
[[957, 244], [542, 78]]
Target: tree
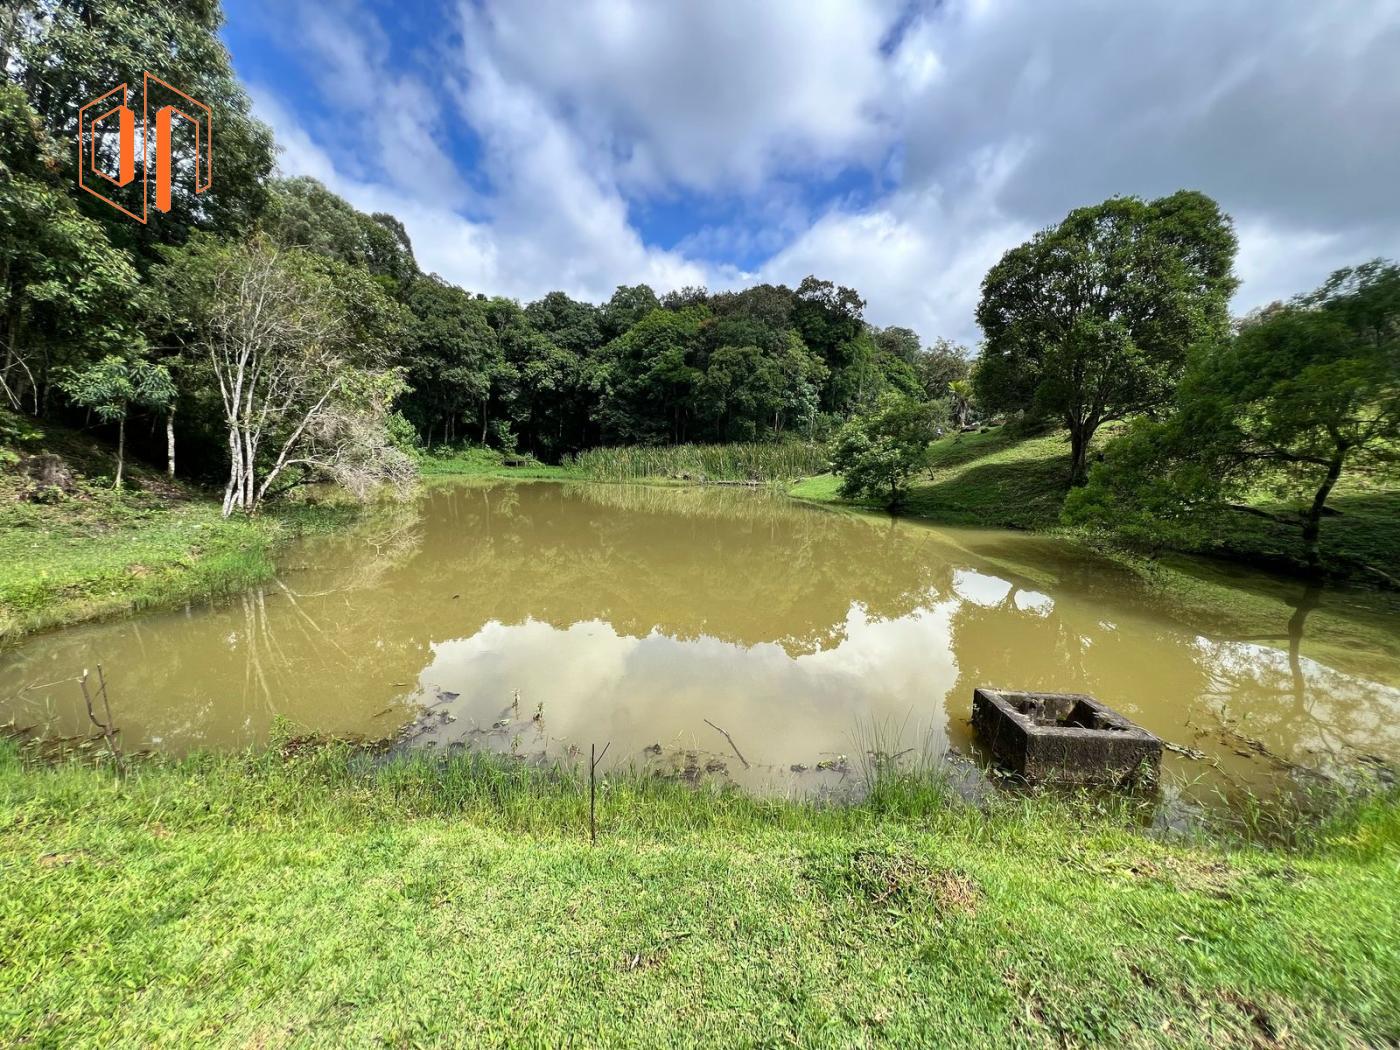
[[963, 396], [302, 213], [1302, 393], [902, 343], [451, 355], [628, 305], [645, 377], [943, 363], [67, 52], [1091, 321], [111, 387], [67, 297], [298, 347], [876, 455]]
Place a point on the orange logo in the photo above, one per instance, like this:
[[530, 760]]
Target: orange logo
[[122, 119]]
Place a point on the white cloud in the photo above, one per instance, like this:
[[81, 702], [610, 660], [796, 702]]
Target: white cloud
[[713, 96], [987, 120]]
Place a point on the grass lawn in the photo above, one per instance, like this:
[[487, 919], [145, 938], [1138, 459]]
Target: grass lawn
[[304, 897], [980, 478], [95, 551]]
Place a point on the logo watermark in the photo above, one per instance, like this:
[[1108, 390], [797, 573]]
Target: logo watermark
[[107, 116]]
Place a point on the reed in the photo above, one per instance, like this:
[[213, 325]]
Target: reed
[[752, 462]]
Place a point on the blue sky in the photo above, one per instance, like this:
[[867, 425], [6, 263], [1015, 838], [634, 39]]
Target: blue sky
[[899, 147]]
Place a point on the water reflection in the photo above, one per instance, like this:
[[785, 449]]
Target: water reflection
[[650, 616]]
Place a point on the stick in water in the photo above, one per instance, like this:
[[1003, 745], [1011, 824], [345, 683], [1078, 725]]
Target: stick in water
[[731, 742]]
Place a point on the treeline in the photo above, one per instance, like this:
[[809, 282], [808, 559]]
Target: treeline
[[275, 335]]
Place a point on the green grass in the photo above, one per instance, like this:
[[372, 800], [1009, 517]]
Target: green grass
[[997, 478], [98, 552], [474, 461], [308, 897], [980, 478], [752, 462]]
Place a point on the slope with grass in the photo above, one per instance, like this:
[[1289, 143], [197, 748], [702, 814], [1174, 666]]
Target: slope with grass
[[307, 896], [90, 551], [997, 478]]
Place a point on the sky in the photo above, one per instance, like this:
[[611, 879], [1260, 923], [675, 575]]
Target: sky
[[897, 147]]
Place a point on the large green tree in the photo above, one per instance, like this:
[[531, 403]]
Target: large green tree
[[68, 298], [302, 213], [1091, 320], [1304, 392], [64, 53], [452, 357]]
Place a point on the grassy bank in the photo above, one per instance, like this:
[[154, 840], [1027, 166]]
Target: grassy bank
[[68, 556], [999, 479], [476, 462], [308, 899]]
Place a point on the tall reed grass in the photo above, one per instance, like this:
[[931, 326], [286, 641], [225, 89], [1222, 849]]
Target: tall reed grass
[[755, 462]]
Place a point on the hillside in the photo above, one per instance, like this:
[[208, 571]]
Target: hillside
[[996, 478]]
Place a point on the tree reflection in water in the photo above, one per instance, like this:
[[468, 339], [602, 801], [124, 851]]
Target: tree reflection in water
[[635, 614]]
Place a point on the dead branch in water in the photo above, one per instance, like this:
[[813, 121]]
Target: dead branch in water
[[108, 730], [735, 746]]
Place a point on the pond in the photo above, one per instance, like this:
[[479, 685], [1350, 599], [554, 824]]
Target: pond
[[715, 634]]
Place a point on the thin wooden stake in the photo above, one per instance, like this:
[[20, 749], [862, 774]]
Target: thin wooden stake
[[593, 759]]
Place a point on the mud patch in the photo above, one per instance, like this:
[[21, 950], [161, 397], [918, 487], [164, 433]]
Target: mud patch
[[900, 881]]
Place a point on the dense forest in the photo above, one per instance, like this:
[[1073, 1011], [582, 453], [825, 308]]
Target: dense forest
[[130, 324], [266, 333]]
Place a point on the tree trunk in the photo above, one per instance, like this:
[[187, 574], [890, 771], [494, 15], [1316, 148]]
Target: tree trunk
[[170, 443], [121, 451], [1312, 523], [1079, 435]]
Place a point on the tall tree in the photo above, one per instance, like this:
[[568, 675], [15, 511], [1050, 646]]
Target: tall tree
[[67, 52], [67, 297], [1090, 321], [943, 363], [451, 355], [298, 347], [1303, 393], [302, 213]]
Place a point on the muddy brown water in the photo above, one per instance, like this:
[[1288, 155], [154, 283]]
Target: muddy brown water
[[538, 618]]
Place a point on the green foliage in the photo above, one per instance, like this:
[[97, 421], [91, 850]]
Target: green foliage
[[1090, 321], [69, 53], [302, 213], [111, 386], [878, 454], [1302, 393], [941, 365], [67, 296], [757, 462]]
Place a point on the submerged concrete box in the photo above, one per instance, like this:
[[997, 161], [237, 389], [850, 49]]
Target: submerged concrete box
[[1064, 738]]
